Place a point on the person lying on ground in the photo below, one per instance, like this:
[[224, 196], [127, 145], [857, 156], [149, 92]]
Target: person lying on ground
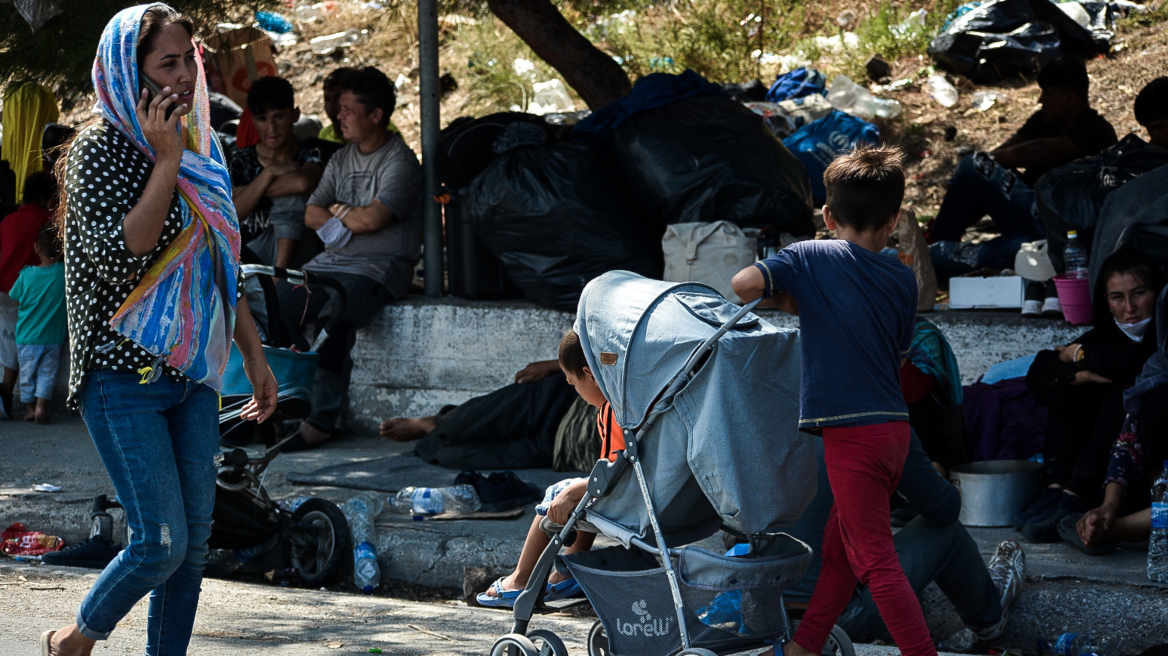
[[1083, 385], [367, 210], [273, 178], [934, 546], [857, 313], [1065, 128], [407, 429], [1071, 197], [1135, 460], [561, 498]]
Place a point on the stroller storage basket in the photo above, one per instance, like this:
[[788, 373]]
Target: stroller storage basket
[[729, 601]]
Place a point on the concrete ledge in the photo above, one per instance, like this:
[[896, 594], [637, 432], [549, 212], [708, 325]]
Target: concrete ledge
[[421, 354]]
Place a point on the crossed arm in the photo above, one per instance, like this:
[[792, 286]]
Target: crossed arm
[[360, 220]]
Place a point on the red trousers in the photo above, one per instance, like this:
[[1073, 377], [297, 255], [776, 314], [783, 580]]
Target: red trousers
[[863, 466]]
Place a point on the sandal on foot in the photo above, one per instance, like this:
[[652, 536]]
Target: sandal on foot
[[565, 589], [1069, 533], [501, 599], [46, 643]]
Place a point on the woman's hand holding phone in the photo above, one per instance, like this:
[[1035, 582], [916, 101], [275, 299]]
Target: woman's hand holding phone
[[159, 124]]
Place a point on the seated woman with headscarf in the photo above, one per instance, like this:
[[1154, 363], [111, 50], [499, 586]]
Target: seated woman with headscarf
[[1136, 458], [1083, 384]]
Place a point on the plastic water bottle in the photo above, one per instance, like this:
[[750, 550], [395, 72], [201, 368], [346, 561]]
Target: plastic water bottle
[[273, 22], [1075, 256], [941, 90], [1070, 644], [459, 499], [360, 511], [1158, 542]]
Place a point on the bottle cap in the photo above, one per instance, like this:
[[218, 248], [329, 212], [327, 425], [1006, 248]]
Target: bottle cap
[[1072, 233]]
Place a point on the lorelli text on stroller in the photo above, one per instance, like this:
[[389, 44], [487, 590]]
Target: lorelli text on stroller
[[708, 396], [251, 533]]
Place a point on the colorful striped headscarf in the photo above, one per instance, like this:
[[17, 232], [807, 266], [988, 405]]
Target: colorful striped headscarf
[[183, 309]]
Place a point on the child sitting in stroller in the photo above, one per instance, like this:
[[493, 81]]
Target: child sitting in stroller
[[561, 498]]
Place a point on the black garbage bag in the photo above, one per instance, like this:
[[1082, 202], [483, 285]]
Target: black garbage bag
[[708, 158], [1071, 196], [557, 219], [1002, 38], [466, 147]]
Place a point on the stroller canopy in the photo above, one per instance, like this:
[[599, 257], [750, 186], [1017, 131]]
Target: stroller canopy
[[726, 448]]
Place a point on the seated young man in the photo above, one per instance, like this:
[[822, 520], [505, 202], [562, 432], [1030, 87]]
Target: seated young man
[[1064, 129], [273, 178], [367, 212]]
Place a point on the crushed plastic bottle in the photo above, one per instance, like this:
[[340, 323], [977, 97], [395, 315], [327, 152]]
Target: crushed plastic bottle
[[941, 90], [847, 96], [1158, 542], [1075, 256], [323, 45], [273, 22], [983, 100], [360, 512], [458, 499]]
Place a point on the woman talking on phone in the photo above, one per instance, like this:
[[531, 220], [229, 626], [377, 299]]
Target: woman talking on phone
[[152, 277]]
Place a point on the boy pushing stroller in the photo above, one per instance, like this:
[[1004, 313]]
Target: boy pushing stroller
[[857, 311]]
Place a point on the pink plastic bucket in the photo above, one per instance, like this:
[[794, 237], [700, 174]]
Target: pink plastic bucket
[[1075, 298]]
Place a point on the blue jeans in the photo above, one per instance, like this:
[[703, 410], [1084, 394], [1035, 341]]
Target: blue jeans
[[945, 554], [158, 443]]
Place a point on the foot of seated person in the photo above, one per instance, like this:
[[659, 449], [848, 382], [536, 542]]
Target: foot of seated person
[[511, 582], [406, 429], [312, 434]]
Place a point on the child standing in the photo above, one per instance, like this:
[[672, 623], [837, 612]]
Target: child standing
[[41, 329], [561, 498], [857, 313]]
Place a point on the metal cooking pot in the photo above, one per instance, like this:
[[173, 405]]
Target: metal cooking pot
[[993, 491]]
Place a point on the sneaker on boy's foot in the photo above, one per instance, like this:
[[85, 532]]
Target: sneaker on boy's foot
[[1050, 301], [1032, 300], [1007, 568]]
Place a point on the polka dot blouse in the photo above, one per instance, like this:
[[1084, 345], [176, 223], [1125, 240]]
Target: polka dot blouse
[[105, 178]]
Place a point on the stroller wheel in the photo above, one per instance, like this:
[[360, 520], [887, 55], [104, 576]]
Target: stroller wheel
[[547, 643], [696, 651], [514, 644], [318, 543], [597, 640], [838, 643]]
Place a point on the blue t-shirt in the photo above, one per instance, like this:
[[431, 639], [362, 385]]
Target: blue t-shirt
[[857, 312]]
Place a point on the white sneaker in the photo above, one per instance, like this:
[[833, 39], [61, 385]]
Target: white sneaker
[[1051, 308], [1007, 570], [1032, 308]]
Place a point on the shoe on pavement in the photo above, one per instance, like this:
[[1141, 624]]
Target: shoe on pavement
[[1032, 300], [1043, 528], [92, 552], [1046, 501], [1007, 568], [1050, 302], [46, 643]]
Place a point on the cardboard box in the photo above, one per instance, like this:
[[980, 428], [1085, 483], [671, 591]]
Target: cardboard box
[[240, 56], [986, 292]]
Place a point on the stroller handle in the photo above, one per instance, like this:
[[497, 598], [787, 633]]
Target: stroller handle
[[300, 277]]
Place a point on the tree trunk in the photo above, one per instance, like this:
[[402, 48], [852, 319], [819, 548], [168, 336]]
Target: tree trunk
[[594, 75]]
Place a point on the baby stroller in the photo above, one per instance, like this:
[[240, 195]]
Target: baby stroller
[[251, 532], [708, 395]]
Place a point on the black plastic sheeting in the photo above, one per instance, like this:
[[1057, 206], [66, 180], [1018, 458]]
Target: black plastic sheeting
[[707, 158], [1003, 38], [557, 219]]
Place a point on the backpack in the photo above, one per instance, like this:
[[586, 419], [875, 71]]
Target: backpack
[[710, 253]]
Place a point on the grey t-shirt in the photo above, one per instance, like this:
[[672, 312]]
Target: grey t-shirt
[[392, 175]]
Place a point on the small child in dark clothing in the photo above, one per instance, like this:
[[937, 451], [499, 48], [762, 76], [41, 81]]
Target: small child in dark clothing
[[41, 327], [857, 312]]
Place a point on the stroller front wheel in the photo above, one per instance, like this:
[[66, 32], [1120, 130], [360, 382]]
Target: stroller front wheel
[[598, 641], [514, 644], [319, 545], [696, 651], [547, 643]]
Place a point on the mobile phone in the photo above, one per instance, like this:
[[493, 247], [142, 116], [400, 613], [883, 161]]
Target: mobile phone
[[152, 90]]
